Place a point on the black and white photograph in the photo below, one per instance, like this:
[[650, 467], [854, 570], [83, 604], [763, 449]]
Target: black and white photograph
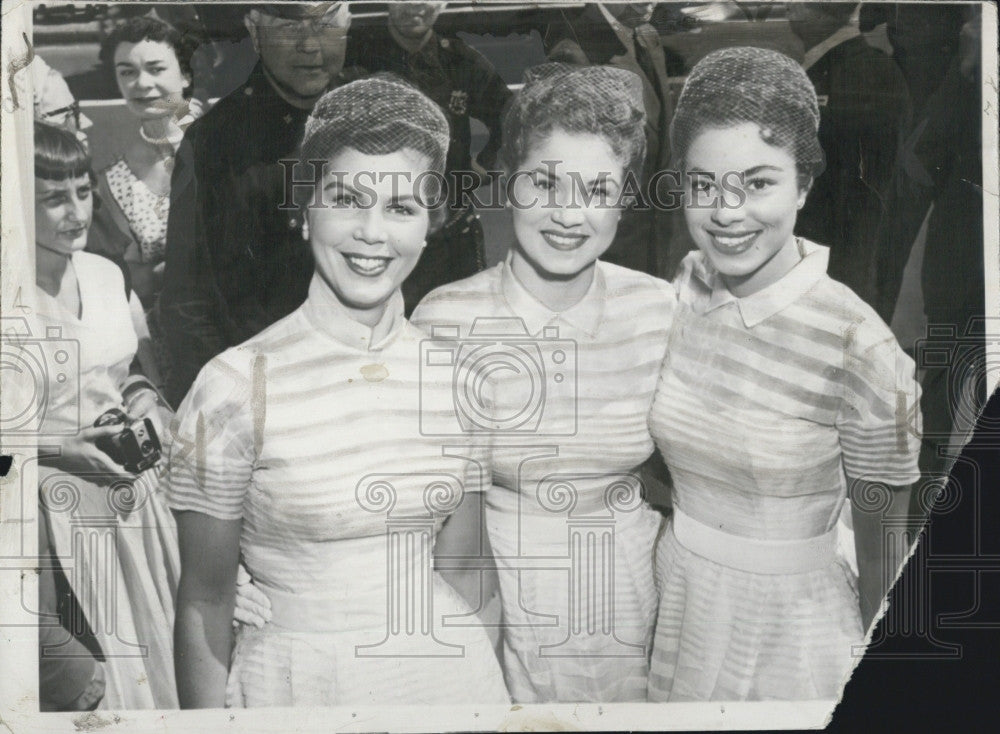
[[438, 366]]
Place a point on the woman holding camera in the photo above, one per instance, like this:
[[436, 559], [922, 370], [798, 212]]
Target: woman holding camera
[[782, 394], [566, 465], [104, 524], [301, 448]]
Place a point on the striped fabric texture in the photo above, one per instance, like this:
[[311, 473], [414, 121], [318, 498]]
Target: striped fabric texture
[[766, 407], [566, 520], [309, 433]]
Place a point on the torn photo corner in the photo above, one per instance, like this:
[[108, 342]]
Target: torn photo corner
[[489, 366]]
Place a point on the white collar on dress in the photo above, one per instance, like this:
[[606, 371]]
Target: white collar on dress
[[768, 301], [584, 316], [325, 311]]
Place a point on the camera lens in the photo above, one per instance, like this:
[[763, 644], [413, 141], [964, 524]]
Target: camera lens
[[146, 447]]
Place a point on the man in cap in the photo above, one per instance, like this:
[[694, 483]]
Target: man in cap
[[235, 259], [466, 86]]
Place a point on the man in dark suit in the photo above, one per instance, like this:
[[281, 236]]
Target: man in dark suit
[[235, 259], [619, 34], [864, 109]]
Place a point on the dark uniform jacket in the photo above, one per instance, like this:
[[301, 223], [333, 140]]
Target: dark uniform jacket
[[235, 260], [645, 241], [864, 106], [452, 74]]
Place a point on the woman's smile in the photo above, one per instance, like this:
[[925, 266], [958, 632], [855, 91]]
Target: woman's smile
[[733, 243], [564, 241], [369, 266]]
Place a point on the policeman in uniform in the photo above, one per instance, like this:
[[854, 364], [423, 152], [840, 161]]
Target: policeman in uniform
[[235, 258], [465, 85]]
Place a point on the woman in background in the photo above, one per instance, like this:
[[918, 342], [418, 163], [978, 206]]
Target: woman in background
[[572, 137], [152, 67], [782, 393], [109, 524]]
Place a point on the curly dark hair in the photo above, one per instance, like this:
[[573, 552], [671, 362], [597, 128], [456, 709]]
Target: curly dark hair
[[598, 100], [150, 28], [745, 84]]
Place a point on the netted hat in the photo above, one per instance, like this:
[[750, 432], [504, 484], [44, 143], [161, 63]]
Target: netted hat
[[600, 100], [745, 84], [377, 115]]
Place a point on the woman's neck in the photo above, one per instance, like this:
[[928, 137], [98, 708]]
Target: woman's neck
[[50, 269], [557, 293], [767, 274], [162, 131]]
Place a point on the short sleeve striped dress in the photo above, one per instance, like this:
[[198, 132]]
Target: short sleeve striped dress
[[766, 406], [567, 523], [310, 433]]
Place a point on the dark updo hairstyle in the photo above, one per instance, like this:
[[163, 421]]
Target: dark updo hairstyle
[[596, 100], [150, 28], [60, 155], [744, 84], [379, 115]]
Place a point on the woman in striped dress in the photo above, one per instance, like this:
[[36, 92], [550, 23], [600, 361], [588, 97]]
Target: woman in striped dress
[[782, 394], [301, 449], [574, 347]]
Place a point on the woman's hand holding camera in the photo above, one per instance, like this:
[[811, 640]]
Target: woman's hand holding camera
[[80, 455], [147, 404]]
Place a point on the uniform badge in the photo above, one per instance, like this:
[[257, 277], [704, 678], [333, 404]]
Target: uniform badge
[[459, 102]]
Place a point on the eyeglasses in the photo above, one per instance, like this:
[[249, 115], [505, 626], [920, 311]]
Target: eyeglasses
[[63, 115]]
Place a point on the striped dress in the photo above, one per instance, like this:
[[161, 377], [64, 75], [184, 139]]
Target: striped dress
[[765, 405], [570, 531], [309, 433]]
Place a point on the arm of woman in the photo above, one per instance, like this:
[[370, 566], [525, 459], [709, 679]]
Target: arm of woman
[[203, 634], [145, 356], [881, 540], [461, 548], [879, 427]]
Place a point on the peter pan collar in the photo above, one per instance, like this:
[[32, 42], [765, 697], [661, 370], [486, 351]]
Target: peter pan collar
[[328, 315], [769, 301], [584, 316]]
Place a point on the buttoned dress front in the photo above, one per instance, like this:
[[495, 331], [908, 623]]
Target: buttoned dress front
[[570, 530], [309, 433], [766, 406]]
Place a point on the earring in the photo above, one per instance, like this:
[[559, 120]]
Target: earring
[[305, 229], [423, 244]]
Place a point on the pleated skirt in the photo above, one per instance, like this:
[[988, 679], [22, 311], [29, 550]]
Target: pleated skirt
[[118, 548], [342, 651], [578, 606], [728, 634]]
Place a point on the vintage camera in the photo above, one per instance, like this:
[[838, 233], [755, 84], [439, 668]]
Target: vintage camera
[[501, 380], [136, 447]]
